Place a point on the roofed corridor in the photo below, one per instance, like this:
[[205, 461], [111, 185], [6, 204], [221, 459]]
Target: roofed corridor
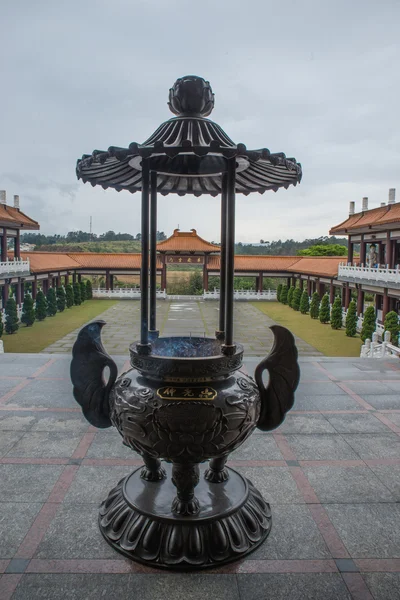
[[186, 317]]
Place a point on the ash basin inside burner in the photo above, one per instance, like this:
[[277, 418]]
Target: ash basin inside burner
[[185, 347]]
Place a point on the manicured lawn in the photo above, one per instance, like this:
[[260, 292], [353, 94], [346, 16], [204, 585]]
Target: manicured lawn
[[44, 333], [329, 341]]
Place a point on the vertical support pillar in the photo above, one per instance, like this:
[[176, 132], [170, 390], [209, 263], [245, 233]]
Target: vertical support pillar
[[74, 277], [164, 274], [229, 348], [18, 292], [58, 281], [309, 286], [331, 292], [45, 286], [288, 280], [222, 270], [4, 245], [360, 301], [34, 288], [111, 282], [22, 290], [153, 252], [385, 306], [17, 246], [389, 251], [301, 284], [363, 251], [347, 296], [350, 252], [66, 279], [79, 277], [205, 273], [108, 280], [5, 293], [257, 283], [144, 346], [260, 282]]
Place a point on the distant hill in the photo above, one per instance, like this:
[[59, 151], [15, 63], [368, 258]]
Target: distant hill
[[111, 247]]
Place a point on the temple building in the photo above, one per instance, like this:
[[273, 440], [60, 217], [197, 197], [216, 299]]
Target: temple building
[[13, 268], [376, 234]]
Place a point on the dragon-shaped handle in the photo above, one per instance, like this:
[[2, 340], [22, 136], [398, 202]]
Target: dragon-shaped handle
[[284, 375], [89, 359]]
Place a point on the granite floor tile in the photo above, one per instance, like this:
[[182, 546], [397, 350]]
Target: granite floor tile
[[292, 586], [257, 447], [364, 423], [347, 484], [394, 417], [383, 402], [27, 483], [108, 443], [368, 530], [74, 533], [318, 389], [44, 394], [92, 484], [15, 522], [36, 444], [275, 484], [375, 388], [374, 445], [74, 587], [6, 385], [390, 477], [16, 421], [383, 586], [8, 440], [294, 536], [320, 447], [322, 403], [193, 586], [306, 424]]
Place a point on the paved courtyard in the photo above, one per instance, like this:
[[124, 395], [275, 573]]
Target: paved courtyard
[[182, 318], [331, 474]]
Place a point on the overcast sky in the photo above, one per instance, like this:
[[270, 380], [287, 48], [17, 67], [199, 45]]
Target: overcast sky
[[316, 79]]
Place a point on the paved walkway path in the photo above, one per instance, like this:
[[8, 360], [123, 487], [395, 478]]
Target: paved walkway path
[[182, 318]]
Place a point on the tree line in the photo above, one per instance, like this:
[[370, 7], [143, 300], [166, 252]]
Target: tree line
[[72, 237], [321, 246]]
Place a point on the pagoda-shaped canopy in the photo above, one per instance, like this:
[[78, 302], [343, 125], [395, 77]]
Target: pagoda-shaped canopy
[[189, 154]]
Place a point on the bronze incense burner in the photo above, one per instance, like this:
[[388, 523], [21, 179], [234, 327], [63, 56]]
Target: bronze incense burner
[[186, 403]]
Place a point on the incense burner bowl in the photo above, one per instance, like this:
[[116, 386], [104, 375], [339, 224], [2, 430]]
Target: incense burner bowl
[[183, 408]]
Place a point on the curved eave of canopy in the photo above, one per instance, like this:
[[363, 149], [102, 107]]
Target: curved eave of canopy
[[189, 136]]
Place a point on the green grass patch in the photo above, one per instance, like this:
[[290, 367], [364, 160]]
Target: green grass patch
[[44, 333], [329, 341]]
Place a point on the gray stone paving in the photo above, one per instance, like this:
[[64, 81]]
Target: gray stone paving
[[183, 318], [331, 473]]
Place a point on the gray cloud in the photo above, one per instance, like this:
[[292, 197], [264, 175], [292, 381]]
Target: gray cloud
[[314, 79]]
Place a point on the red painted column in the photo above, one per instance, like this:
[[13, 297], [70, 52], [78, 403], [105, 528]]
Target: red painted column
[[79, 277], [363, 251], [309, 286], [34, 289], [108, 281], [58, 280], [45, 286], [4, 245], [205, 273], [111, 282], [301, 283], [66, 279], [260, 282], [350, 252], [5, 294], [74, 277]]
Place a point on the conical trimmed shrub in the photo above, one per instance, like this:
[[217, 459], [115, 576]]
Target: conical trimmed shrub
[[69, 295], [296, 299], [41, 306], [290, 295], [284, 294], [304, 303], [82, 285], [336, 314], [324, 312], [351, 320], [12, 324], [77, 294], [1, 326], [278, 292], [60, 293], [89, 290], [51, 302], [314, 307], [369, 325], [28, 311], [392, 325]]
